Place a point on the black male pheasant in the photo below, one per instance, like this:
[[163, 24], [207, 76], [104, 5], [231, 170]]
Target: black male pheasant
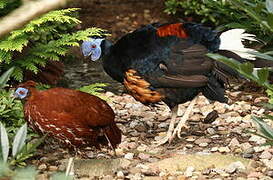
[[168, 62]]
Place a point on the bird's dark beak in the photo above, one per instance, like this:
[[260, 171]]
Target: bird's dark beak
[[87, 57]]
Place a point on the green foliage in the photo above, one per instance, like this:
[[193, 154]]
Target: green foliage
[[20, 150], [260, 76], [6, 6], [94, 89], [46, 38], [11, 110], [253, 15], [265, 130]]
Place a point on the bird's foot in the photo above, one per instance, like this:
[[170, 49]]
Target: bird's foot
[[168, 138], [178, 129]]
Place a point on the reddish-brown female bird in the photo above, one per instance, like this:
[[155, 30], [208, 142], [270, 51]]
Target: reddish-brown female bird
[[75, 118]]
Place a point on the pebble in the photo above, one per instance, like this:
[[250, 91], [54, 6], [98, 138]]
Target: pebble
[[269, 173], [129, 156], [257, 139], [211, 131], [223, 149], [53, 168], [260, 148], [234, 143], [236, 166], [202, 140], [120, 174], [203, 144], [42, 167], [214, 149], [190, 139], [254, 175], [189, 171], [144, 156], [265, 155]]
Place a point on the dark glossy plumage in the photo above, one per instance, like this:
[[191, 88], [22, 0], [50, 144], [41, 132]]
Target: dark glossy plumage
[[169, 63], [75, 118]]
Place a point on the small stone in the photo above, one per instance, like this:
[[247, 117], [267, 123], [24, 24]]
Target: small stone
[[109, 94], [268, 163], [260, 99], [190, 139], [144, 156], [234, 143], [189, 146], [265, 155], [254, 175], [260, 148], [257, 139], [129, 156], [203, 144], [269, 173], [214, 149], [142, 148], [189, 171], [246, 146], [42, 167], [223, 149], [119, 152], [53, 168], [202, 140], [238, 165], [120, 174], [211, 131]]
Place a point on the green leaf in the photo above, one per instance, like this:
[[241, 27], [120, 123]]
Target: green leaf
[[19, 140], [262, 55], [247, 67], [269, 5], [263, 127], [228, 61], [4, 142], [5, 77], [263, 75]]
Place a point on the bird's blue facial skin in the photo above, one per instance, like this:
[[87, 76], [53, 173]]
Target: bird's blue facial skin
[[20, 93], [92, 48]]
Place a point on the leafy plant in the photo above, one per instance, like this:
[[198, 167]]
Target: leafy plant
[[253, 15], [259, 76], [94, 89], [11, 110], [47, 38], [20, 150]]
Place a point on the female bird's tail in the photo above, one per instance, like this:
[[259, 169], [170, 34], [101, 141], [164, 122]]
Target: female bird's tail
[[231, 40]]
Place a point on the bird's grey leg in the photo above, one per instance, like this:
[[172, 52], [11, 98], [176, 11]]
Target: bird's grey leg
[[167, 138], [184, 118], [110, 144]]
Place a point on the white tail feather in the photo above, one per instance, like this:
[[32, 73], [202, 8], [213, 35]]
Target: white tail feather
[[231, 40]]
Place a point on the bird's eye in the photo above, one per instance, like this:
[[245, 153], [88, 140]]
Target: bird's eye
[[93, 46], [21, 92]]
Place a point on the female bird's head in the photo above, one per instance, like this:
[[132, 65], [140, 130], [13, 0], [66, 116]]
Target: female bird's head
[[95, 48], [23, 90]]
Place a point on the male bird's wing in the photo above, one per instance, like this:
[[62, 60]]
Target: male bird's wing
[[166, 56]]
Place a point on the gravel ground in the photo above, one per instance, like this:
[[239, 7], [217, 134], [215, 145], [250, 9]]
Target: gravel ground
[[142, 126]]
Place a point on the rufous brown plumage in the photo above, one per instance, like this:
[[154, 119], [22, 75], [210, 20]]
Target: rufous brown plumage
[[76, 118]]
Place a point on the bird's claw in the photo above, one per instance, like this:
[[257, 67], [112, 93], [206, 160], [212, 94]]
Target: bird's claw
[[168, 138], [178, 129]]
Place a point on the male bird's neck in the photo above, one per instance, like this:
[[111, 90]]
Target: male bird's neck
[[106, 47]]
